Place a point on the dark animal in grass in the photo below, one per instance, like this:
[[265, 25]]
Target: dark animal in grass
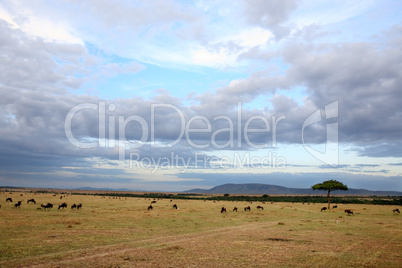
[[260, 207], [335, 207], [73, 206], [18, 204], [223, 209], [247, 208], [9, 200], [61, 197], [235, 209], [153, 202], [323, 209], [31, 201], [150, 207], [396, 210], [349, 211], [79, 206], [47, 206], [175, 206], [62, 205]]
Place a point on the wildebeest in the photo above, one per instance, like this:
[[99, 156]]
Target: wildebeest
[[247, 208], [396, 210], [323, 208], [223, 209], [9, 200], [47, 206], [335, 207], [153, 202], [349, 211], [31, 200], [62, 205], [175, 206], [79, 206], [73, 206], [150, 207], [18, 204], [235, 209], [260, 207]]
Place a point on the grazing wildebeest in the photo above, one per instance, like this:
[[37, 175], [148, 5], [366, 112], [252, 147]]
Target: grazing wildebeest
[[323, 209], [223, 209], [18, 204], [9, 200], [349, 211], [175, 206], [260, 207], [47, 206], [61, 197], [62, 205], [335, 207], [150, 207], [31, 200], [235, 209], [247, 208], [396, 210], [79, 206], [153, 202], [73, 206]]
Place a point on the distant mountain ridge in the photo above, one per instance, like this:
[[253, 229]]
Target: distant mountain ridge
[[260, 189], [106, 189]]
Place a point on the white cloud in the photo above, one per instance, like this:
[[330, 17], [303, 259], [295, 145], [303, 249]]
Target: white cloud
[[34, 26], [203, 56], [252, 37], [4, 15], [49, 30]]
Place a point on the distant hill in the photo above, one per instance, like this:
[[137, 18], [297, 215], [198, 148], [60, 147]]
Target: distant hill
[[106, 189], [260, 189]]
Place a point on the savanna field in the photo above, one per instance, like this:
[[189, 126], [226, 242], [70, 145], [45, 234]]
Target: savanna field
[[122, 232]]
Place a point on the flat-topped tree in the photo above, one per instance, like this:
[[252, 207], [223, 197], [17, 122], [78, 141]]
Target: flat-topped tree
[[331, 185]]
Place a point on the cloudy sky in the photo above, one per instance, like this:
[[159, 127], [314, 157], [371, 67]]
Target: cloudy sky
[[173, 95]]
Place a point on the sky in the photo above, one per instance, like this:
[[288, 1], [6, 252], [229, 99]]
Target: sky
[[175, 95]]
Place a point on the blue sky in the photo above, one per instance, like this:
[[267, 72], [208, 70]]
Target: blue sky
[[174, 95]]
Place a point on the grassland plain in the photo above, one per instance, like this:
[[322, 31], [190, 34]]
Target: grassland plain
[[121, 232]]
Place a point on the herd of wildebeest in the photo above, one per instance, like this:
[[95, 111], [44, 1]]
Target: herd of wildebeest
[[64, 205], [44, 206], [248, 208]]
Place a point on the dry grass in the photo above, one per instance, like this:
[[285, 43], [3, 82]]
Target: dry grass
[[123, 233]]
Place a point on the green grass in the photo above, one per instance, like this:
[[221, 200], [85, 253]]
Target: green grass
[[121, 232]]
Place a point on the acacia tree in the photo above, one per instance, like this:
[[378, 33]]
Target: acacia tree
[[331, 185]]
